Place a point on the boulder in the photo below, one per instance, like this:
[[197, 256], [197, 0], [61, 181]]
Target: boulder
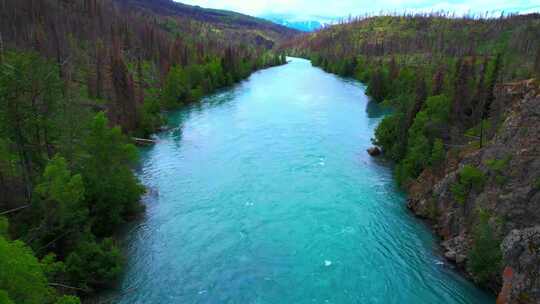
[[374, 151]]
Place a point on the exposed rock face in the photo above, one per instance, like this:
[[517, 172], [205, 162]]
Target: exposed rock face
[[521, 251], [510, 162]]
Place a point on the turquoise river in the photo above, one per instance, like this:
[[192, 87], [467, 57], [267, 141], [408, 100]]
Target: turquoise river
[[264, 193]]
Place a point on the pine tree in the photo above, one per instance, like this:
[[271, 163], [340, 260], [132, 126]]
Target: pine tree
[[376, 86], [420, 99]]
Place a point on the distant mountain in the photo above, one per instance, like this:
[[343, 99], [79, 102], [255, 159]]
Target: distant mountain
[[304, 24], [221, 18]]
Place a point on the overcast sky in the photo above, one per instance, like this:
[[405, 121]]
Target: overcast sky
[[343, 8]]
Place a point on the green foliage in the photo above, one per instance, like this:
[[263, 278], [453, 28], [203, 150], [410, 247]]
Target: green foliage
[[472, 177], [485, 257], [63, 192], [70, 168], [68, 300], [438, 110], [469, 178], [4, 298], [377, 87], [51, 267], [30, 99], [423, 134], [387, 136], [23, 278], [460, 192], [418, 152], [4, 227], [438, 153], [176, 88], [112, 190], [498, 167], [150, 116], [21, 275], [94, 264]]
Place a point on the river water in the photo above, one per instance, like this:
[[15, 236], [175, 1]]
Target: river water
[[264, 194]]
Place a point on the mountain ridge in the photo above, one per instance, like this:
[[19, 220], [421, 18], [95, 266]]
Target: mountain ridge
[[209, 15]]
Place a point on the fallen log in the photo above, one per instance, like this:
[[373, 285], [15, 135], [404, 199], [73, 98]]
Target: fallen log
[[14, 210], [144, 141]]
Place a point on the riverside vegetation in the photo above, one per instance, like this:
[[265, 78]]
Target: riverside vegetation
[[463, 132], [77, 80]]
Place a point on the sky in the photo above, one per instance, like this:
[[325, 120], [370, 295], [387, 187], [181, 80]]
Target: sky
[[344, 8]]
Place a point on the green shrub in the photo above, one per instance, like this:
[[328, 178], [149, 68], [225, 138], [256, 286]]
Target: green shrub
[[4, 298], [94, 264], [537, 183], [21, 275], [459, 192], [4, 226], [387, 136], [498, 166], [473, 177], [468, 178], [438, 153]]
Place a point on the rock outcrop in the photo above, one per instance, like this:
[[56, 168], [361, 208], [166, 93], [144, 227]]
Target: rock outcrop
[[521, 252], [374, 151], [506, 206]]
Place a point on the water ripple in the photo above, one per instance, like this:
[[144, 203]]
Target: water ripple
[[264, 194]]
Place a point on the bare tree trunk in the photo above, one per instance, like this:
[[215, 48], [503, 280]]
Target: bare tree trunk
[[1, 49], [481, 132]]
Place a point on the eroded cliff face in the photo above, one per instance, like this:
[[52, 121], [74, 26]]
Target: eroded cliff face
[[501, 212]]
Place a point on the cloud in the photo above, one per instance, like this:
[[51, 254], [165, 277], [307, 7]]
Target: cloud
[[344, 8]]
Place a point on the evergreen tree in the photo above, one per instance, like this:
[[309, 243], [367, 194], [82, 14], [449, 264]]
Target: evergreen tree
[[112, 191], [60, 209], [376, 86], [420, 99], [22, 279]]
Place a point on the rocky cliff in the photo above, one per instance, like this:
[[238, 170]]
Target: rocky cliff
[[485, 201]]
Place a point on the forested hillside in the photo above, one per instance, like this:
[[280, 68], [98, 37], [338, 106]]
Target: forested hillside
[[237, 27], [78, 80], [458, 93]]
